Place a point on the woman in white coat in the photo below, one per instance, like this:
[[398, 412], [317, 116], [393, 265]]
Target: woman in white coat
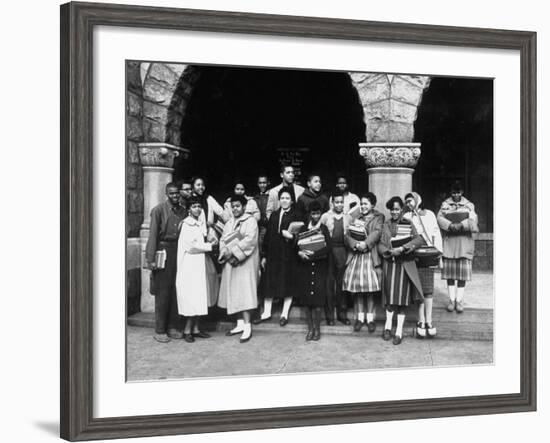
[[425, 223], [196, 278], [241, 260]]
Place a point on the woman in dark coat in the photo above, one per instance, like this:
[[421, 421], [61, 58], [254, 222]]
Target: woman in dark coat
[[312, 273], [279, 258], [401, 285]]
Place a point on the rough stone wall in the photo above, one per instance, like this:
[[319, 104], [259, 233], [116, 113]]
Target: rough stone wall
[[390, 104], [134, 134], [166, 92]]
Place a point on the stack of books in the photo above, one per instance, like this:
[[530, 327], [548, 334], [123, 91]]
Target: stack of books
[[314, 242], [357, 232], [232, 239], [309, 233], [457, 216], [403, 236]]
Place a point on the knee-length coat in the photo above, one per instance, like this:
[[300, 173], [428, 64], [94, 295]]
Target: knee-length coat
[[311, 275], [401, 284], [238, 290], [196, 278], [281, 257]]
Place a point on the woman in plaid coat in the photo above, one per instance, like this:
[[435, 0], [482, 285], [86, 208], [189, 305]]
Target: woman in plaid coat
[[401, 285]]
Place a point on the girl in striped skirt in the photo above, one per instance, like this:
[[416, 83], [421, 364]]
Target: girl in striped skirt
[[401, 285], [458, 220], [425, 224], [362, 275]]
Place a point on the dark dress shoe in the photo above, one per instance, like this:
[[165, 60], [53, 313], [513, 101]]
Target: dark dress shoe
[[397, 340], [386, 335], [330, 322], [188, 338], [283, 321], [357, 326], [309, 335], [201, 334], [371, 326], [316, 335], [259, 320]]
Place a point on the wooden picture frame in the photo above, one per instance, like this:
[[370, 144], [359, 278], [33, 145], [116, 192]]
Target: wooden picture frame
[[77, 214]]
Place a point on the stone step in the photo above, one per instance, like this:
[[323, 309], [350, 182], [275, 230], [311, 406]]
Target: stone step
[[472, 324]]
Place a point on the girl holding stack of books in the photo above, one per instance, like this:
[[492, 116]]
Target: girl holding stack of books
[[313, 246], [401, 285], [240, 259], [362, 276], [458, 220]]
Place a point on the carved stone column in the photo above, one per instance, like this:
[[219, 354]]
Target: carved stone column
[[390, 168], [157, 160]]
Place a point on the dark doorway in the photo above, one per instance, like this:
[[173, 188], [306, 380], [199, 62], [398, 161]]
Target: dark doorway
[[239, 120], [455, 127]]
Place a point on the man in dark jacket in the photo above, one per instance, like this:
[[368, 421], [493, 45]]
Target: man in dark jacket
[[312, 193], [261, 200], [166, 221]]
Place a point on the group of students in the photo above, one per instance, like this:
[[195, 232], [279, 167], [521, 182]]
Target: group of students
[[254, 243]]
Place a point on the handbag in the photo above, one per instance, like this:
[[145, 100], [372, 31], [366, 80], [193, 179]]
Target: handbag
[[426, 256]]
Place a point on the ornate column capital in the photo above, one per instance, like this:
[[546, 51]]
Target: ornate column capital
[[390, 155], [160, 154]]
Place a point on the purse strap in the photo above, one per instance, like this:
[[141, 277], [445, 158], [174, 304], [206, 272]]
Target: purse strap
[[430, 243]]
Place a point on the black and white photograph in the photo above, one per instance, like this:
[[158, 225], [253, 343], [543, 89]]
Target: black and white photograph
[[286, 221]]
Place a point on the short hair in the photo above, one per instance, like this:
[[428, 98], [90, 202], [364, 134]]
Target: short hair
[[341, 175], [392, 201], [409, 195], [337, 193], [370, 197], [315, 206], [171, 185], [194, 200], [263, 176], [197, 177], [238, 198], [185, 181], [239, 182], [457, 186], [284, 166], [286, 189], [312, 175]]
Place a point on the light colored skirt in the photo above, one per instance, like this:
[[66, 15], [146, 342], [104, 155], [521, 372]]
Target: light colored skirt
[[360, 275]]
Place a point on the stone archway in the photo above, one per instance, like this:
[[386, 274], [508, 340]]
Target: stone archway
[[389, 101], [389, 105]]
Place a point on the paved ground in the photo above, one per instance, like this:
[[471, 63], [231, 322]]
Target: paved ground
[[269, 353], [273, 351]]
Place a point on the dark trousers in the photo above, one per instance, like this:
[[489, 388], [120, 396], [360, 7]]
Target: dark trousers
[[336, 297], [166, 302]]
